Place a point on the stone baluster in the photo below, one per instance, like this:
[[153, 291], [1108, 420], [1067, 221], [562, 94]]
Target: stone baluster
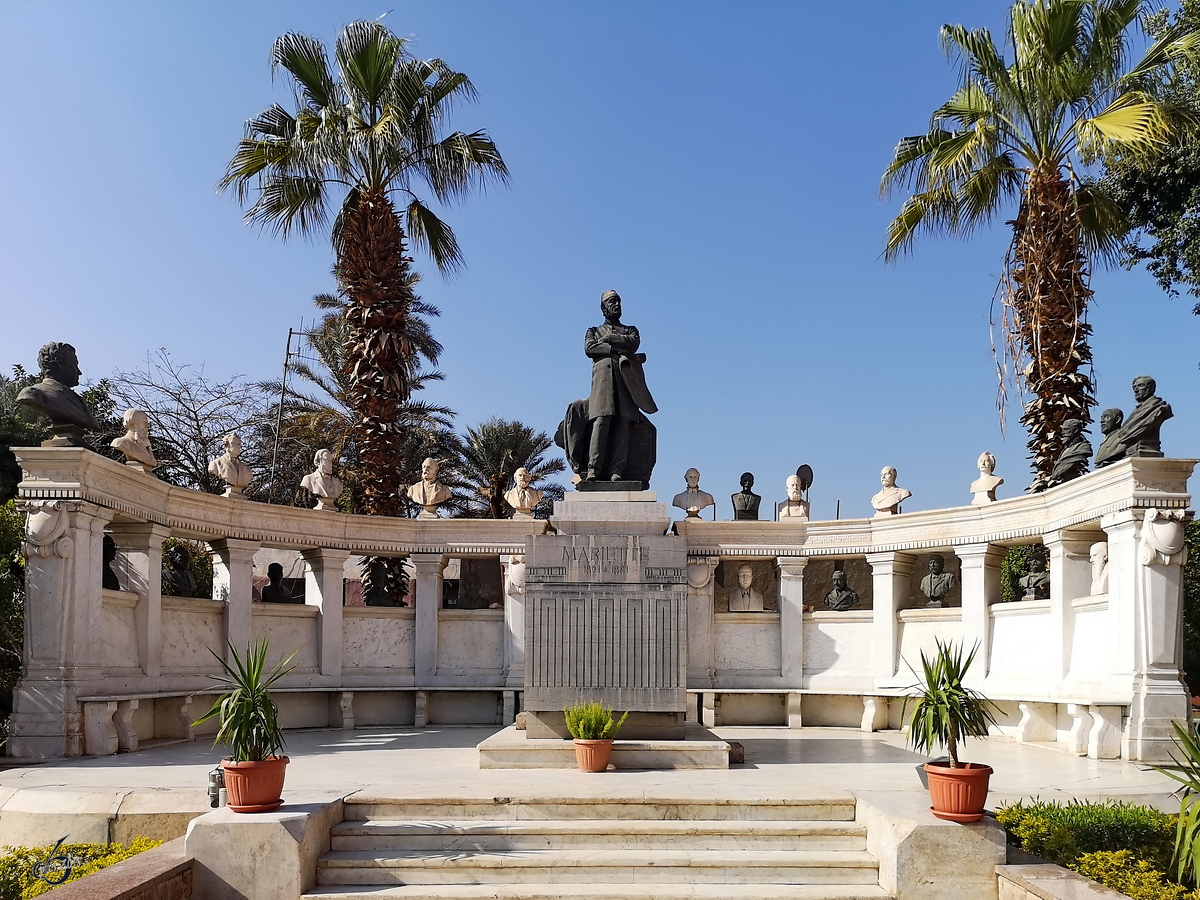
[[140, 561], [429, 568], [980, 590], [701, 671], [889, 583], [233, 582], [791, 618], [323, 575], [1070, 578]]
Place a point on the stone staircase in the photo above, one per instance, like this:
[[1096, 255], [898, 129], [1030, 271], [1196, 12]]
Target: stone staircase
[[600, 849]]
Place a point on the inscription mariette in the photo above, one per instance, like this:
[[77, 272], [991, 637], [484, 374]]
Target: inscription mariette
[[633, 560]]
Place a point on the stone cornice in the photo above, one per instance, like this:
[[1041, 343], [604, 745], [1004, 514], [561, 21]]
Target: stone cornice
[[72, 473], [75, 474]]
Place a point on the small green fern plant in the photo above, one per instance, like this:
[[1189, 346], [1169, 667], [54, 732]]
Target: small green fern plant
[[592, 722]]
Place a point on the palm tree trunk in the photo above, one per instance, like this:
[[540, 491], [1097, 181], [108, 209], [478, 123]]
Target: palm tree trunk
[[1048, 296], [373, 272]]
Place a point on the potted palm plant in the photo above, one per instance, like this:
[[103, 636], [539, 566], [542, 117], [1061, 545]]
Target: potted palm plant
[[249, 727], [946, 712], [593, 728]]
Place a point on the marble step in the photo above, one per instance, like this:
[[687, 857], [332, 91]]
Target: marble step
[[638, 891], [533, 834], [836, 807], [667, 866]]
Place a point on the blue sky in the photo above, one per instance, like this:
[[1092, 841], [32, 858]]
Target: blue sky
[[716, 163]]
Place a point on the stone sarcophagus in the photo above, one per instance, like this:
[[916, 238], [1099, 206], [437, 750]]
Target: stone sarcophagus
[[606, 620]]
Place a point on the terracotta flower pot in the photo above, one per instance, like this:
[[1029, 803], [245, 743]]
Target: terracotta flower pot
[[254, 786], [958, 794], [592, 756]]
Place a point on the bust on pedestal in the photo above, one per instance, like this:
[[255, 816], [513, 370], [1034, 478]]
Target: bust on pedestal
[[795, 507], [321, 482], [938, 583], [229, 468], [693, 501], [523, 498], [887, 501], [840, 597], [135, 442], [54, 399], [743, 597], [745, 504], [429, 492], [1075, 455], [984, 487]]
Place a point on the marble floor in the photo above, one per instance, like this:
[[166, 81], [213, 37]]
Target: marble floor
[[440, 761]]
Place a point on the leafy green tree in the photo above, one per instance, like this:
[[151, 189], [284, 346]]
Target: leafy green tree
[[372, 130], [1028, 133], [1162, 196], [190, 413], [491, 454]]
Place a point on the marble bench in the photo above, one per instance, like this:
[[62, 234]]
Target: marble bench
[[109, 727]]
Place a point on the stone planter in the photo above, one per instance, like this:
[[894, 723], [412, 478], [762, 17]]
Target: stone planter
[[255, 786], [592, 756], [958, 795]]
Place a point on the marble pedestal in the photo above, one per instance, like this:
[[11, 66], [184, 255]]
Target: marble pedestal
[[699, 748], [606, 616]]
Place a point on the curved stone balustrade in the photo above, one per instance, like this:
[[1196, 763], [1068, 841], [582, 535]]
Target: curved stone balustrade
[[1097, 673]]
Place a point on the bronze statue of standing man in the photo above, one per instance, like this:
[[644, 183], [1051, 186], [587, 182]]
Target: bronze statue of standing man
[[618, 391]]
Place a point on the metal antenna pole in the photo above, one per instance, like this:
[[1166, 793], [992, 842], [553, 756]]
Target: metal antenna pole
[[287, 358]]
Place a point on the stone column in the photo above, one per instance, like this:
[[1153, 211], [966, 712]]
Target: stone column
[[980, 589], [791, 618], [889, 582], [139, 559], [1121, 530], [323, 574], [63, 607], [1159, 697], [233, 582], [1070, 578], [701, 671], [429, 568], [513, 569]]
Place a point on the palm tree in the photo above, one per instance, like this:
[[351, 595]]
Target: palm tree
[[375, 130], [316, 414], [1030, 133], [491, 454]]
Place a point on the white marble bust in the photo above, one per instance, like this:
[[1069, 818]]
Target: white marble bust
[[984, 487], [523, 498], [796, 507], [321, 482], [1099, 559], [135, 442], [887, 501], [429, 492], [693, 501], [742, 596], [229, 468]]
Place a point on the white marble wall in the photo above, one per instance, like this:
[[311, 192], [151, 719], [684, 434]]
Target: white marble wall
[[377, 640], [190, 628], [118, 630], [288, 629], [746, 645], [471, 641]]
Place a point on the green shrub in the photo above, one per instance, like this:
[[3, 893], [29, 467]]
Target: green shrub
[[1136, 878], [1013, 567], [592, 722], [18, 880], [1063, 833]]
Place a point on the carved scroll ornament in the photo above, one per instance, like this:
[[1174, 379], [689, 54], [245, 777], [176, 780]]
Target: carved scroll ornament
[[1163, 537], [45, 529]]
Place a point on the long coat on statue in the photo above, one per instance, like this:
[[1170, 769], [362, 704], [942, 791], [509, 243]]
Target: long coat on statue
[[618, 383]]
